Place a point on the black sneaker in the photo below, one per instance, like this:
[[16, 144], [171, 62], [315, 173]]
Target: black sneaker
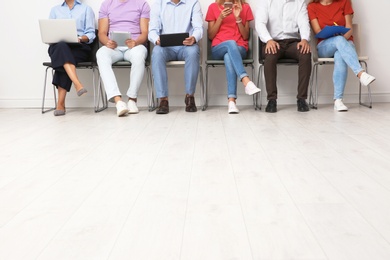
[[302, 105], [163, 108], [271, 106]]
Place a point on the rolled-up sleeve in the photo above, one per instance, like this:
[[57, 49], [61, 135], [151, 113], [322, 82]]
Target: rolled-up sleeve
[[155, 22], [197, 22], [89, 29]]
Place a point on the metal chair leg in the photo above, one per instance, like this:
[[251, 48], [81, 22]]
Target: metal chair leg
[[44, 93], [369, 105]]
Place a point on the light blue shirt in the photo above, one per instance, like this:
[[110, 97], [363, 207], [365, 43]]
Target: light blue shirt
[[168, 17], [83, 14]]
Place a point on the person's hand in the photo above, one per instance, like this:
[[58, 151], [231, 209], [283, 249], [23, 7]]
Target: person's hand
[[237, 8], [158, 41], [303, 46], [111, 44], [189, 41], [130, 43], [272, 47], [225, 12]]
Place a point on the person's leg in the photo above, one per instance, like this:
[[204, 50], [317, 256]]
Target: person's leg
[[191, 56], [304, 70], [136, 56], [61, 99], [340, 74], [270, 71], [328, 47], [105, 58], [160, 56]]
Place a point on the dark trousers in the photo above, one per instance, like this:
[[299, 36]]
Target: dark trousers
[[61, 53], [288, 50]]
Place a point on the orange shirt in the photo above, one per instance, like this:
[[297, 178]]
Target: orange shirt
[[330, 14]]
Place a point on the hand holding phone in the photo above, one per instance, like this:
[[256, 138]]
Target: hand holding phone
[[228, 5]]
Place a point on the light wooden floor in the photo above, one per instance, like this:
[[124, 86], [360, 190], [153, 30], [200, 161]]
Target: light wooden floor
[[200, 186]]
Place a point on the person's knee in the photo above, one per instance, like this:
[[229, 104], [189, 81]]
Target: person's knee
[[192, 52]]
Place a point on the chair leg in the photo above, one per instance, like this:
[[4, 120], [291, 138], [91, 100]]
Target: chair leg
[[205, 91], [313, 97], [151, 100], [44, 93], [202, 90], [99, 93], [369, 105], [257, 97]]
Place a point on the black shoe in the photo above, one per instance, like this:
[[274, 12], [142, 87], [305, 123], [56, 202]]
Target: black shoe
[[302, 105], [190, 104], [163, 108], [271, 106]]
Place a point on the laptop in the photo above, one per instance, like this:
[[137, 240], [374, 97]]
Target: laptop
[[173, 39], [57, 30]]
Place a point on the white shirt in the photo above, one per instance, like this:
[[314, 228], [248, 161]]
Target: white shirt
[[282, 19]]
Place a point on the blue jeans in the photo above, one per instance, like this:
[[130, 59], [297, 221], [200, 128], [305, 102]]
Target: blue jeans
[[232, 54], [160, 55], [344, 54]]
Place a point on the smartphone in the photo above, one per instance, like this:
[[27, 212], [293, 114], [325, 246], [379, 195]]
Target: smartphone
[[228, 5]]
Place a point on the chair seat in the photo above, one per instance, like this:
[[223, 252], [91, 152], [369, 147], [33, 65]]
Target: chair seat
[[122, 64], [221, 62]]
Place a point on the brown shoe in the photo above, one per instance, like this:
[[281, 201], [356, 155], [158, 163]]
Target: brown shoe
[[163, 108], [190, 104]]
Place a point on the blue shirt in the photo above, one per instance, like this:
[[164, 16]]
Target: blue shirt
[[168, 17], [83, 14]]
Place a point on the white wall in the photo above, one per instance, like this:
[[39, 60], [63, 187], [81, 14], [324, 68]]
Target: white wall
[[21, 78]]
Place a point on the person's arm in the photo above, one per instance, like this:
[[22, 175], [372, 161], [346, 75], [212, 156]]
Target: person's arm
[[89, 29], [103, 25], [197, 25], [213, 26], [348, 24], [262, 20], [144, 24], [315, 25], [243, 28], [304, 29], [261, 28], [155, 23]]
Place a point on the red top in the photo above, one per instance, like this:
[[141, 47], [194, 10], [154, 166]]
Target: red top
[[330, 14], [229, 28]]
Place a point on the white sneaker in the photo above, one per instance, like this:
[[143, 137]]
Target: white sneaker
[[121, 108], [366, 79], [339, 105], [232, 108], [251, 88], [133, 109]]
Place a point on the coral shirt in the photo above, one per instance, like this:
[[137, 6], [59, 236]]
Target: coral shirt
[[330, 14], [229, 28]]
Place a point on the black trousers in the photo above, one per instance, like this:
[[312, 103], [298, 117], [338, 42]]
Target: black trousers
[[288, 49], [61, 53]]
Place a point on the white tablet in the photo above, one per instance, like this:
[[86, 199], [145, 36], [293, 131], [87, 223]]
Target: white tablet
[[120, 37]]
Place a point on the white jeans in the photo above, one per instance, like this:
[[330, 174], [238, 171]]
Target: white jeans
[[106, 57]]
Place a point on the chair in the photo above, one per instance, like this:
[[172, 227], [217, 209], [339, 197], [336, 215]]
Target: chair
[[150, 93], [313, 99], [281, 62], [91, 64], [210, 62]]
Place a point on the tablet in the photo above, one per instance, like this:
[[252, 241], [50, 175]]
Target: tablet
[[172, 39], [120, 37]]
